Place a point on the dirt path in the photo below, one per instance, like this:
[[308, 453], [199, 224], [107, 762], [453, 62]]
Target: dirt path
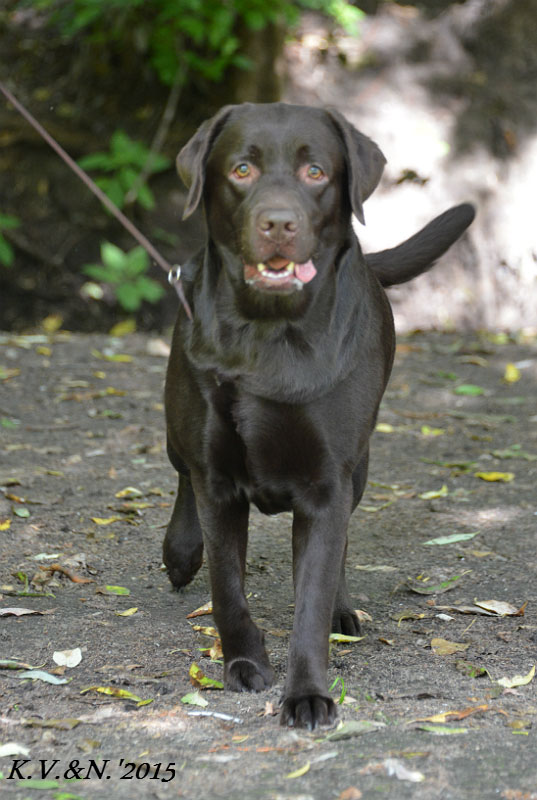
[[81, 423]]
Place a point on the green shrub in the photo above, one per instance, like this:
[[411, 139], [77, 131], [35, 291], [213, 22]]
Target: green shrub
[[184, 37], [7, 256], [126, 274], [124, 162]]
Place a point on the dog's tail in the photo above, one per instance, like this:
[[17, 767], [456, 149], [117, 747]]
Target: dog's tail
[[418, 254]]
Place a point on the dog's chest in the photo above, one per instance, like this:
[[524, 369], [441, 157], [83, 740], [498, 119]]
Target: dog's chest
[[272, 452]]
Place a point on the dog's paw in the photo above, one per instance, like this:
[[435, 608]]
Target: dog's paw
[[344, 620], [243, 675], [308, 711], [182, 568]]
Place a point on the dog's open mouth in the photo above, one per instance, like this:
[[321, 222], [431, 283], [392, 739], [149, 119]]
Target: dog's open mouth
[[279, 274]]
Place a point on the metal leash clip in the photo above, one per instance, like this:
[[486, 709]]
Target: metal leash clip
[[174, 275]]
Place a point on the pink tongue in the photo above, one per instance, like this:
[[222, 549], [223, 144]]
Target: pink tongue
[[305, 272]]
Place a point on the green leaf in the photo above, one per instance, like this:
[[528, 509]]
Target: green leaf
[[21, 511], [194, 699], [128, 297], [40, 675], [8, 221], [112, 187], [469, 389], [7, 256], [454, 537], [424, 587], [36, 783], [113, 257], [136, 262], [146, 197], [442, 730], [119, 590], [149, 289], [100, 273]]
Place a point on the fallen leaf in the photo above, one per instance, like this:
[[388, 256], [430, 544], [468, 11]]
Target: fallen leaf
[[501, 609], [194, 699], [207, 630], [299, 772], [52, 323], [352, 793], [21, 511], [512, 374], [270, 710], [128, 612], [20, 612], [514, 451], [471, 670], [118, 590], [105, 520], [406, 613], [5, 525], [444, 716], [113, 691], [344, 637], [157, 347], [469, 389], [517, 680], [215, 652], [420, 585], [443, 647], [124, 327], [67, 658], [117, 357], [505, 477], [454, 537], [397, 768], [199, 679], [434, 493], [442, 730], [384, 427], [52, 568], [206, 608], [9, 663], [346, 730], [41, 675], [375, 568], [38, 783], [426, 430], [13, 749], [66, 724], [467, 610], [129, 491]]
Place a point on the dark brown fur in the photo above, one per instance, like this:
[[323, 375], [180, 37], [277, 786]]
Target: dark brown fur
[[271, 396]]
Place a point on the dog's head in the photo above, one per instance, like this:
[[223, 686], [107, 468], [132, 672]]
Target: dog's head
[[279, 183]]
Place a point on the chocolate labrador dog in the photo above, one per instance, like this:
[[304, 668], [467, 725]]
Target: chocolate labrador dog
[[272, 391]]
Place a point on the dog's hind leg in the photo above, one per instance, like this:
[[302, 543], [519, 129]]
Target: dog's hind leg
[[182, 549]]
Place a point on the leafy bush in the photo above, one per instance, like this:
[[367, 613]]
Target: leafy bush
[[126, 274], [124, 161], [7, 221], [184, 36]]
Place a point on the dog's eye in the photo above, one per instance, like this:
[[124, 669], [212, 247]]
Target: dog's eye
[[315, 172], [242, 171]]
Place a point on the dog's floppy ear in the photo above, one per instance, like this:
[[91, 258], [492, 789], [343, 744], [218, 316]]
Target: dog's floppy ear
[[365, 163], [193, 156]]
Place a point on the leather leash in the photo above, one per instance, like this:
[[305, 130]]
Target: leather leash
[[174, 272]]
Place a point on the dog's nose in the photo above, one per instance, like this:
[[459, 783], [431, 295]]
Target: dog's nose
[[278, 224]]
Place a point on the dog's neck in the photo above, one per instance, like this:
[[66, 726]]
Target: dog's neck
[[323, 324]]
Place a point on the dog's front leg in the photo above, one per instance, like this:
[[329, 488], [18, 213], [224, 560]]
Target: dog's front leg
[[225, 535], [318, 549]]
